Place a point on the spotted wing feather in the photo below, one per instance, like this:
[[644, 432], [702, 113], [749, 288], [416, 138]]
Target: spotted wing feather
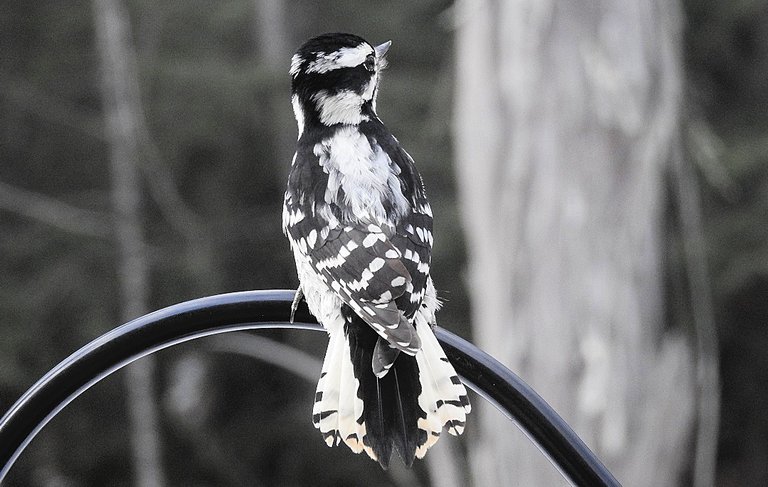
[[362, 266]]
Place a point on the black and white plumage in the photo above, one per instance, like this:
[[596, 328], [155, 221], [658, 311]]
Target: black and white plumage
[[360, 227]]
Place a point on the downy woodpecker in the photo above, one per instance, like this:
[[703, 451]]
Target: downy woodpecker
[[360, 228]]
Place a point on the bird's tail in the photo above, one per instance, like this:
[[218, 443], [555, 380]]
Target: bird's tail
[[405, 410]]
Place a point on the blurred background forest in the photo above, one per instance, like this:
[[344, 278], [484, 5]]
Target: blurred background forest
[[144, 149]]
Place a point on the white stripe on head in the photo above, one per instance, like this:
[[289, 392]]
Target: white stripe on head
[[346, 57], [296, 61]]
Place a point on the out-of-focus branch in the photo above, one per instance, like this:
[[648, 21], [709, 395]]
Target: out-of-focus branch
[[122, 113], [160, 181], [48, 107], [53, 212], [706, 149], [707, 362], [270, 32], [271, 36], [269, 351], [163, 189]]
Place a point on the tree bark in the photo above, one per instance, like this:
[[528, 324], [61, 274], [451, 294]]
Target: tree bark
[[565, 118], [122, 111]]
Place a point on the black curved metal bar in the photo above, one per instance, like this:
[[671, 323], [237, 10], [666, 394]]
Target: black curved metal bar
[[271, 309]]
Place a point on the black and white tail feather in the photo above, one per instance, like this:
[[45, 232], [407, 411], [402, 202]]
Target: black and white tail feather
[[360, 228]]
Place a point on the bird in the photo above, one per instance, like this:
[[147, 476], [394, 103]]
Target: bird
[[359, 225]]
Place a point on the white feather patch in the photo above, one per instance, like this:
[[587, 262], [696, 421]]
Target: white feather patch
[[325, 414], [347, 425], [443, 397], [343, 107], [295, 65], [298, 112], [363, 174], [337, 406], [346, 57], [444, 400]]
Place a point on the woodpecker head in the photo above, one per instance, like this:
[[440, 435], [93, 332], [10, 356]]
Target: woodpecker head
[[335, 78]]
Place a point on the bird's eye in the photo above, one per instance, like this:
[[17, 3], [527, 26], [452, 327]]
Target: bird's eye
[[370, 63]]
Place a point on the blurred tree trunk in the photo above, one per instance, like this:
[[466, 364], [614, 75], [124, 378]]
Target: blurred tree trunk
[[122, 112], [566, 117], [274, 50]]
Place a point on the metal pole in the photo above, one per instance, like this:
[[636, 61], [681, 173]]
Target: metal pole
[[271, 309]]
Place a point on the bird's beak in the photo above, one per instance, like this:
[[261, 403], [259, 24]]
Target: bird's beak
[[382, 49]]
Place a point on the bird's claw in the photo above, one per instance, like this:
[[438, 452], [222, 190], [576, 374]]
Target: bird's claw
[[296, 300]]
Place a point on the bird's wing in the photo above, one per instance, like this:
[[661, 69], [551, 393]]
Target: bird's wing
[[413, 238], [379, 272], [363, 267]]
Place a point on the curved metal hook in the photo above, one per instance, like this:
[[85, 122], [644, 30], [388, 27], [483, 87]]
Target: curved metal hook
[[272, 309]]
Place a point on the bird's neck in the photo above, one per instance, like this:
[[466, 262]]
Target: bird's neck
[[322, 110]]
